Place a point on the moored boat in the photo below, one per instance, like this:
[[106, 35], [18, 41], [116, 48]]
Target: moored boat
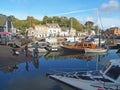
[[79, 47], [106, 79], [95, 39], [42, 46], [95, 50]]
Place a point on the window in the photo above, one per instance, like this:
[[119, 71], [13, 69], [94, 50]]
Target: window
[[80, 44], [106, 66], [114, 72], [89, 44], [85, 44]]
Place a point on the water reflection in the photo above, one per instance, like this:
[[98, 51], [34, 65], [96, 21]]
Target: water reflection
[[79, 56], [76, 62], [10, 68], [29, 73], [49, 56], [14, 65], [35, 62], [27, 67]]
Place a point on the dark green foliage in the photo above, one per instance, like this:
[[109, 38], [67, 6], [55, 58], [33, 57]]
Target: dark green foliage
[[62, 21], [22, 25]]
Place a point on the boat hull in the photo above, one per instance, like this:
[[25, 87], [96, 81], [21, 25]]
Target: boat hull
[[75, 83], [98, 50], [78, 47], [106, 79], [85, 84], [72, 50]]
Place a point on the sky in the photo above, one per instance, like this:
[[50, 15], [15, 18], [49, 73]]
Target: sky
[[106, 13]]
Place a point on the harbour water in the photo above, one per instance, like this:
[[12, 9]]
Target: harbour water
[[31, 75]]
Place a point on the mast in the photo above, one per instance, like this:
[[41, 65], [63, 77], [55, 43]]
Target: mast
[[98, 27], [70, 26]]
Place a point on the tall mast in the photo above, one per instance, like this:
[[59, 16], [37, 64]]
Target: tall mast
[[98, 26], [97, 22], [71, 24]]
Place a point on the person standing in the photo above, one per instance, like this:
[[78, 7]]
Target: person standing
[[26, 50]]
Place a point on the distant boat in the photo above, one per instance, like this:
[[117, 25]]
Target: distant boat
[[53, 43], [95, 39], [106, 79], [40, 45], [79, 47]]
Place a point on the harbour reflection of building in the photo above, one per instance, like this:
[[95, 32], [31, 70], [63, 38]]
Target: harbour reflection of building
[[79, 56], [52, 55], [57, 55]]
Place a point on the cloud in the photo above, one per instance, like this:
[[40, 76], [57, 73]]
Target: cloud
[[112, 5], [76, 11]]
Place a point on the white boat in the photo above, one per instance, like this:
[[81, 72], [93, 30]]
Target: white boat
[[53, 43], [39, 49], [42, 46], [95, 40], [95, 50], [106, 79]]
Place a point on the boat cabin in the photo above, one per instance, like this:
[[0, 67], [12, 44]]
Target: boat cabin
[[111, 71], [85, 45]]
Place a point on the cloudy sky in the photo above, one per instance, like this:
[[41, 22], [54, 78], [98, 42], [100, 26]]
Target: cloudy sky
[[108, 11]]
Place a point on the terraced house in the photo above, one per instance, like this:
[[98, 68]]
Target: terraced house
[[5, 24]]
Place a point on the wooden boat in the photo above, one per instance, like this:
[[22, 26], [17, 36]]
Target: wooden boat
[[79, 47]]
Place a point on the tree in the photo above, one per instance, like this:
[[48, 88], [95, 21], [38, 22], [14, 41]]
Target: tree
[[89, 25], [56, 19], [74, 23], [46, 20], [64, 22], [32, 21]]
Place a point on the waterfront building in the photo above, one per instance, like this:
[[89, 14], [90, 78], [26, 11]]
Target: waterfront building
[[68, 32], [72, 32], [5, 24], [64, 32], [113, 31], [50, 30], [38, 31], [53, 29], [42, 31]]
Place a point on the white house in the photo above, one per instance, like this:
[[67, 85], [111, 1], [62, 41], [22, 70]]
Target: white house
[[5, 24], [53, 29], [38, 31], [68, 32]]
